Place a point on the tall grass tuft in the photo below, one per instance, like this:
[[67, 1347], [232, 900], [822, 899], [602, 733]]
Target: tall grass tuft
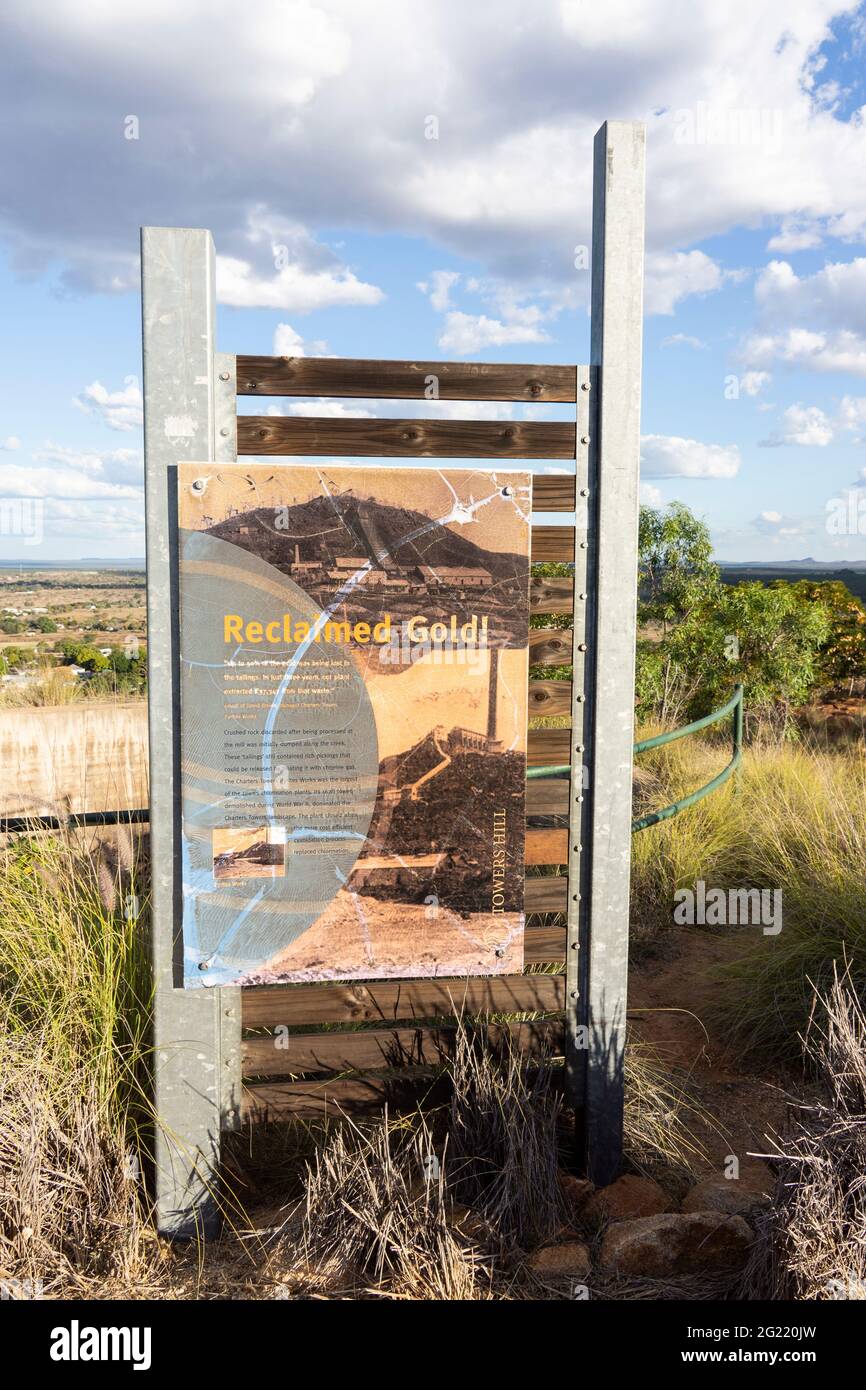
[[812, 1241], [377, 1213], [503, 1141], [74, 1017]]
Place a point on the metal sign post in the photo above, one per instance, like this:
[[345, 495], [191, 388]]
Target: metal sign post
[[189, 398], [602, 821]]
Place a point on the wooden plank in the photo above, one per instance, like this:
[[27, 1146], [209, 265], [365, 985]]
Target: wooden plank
[[547, 893], [552, 492], [396, 380], [550, 595], [545, 944], [549, 646], [546, 847], [548, 698], [552, 543], [306, 1053], [547, 796], [487, 439], [280, 1100], [548, 747], [399, 999]]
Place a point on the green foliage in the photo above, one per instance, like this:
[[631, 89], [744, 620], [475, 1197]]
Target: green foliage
[[675, 566], [700, 637], [843, 655], [45, 624], [11, 626], [19, 656]]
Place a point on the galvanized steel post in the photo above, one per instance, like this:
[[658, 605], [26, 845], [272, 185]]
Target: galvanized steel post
[[195, 1032], [614, 450]]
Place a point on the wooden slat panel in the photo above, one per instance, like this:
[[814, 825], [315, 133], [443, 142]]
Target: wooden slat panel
[[553, 493], [553, 543], [382, 1047], [546, 847], [550, 595], [547, 796], [548, 747], [394, 380], [279, 1100], [487, 439], [549, 646], [548, 893], [550, 698], [326, 1003]]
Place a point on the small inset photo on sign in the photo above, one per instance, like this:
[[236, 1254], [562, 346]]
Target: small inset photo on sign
[[254, 852]]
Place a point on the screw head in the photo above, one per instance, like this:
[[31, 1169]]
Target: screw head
[[584, 386], [224, 431], [224, 376], [584, 439]]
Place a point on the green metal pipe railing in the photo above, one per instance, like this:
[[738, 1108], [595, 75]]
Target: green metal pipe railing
[[733, 707]]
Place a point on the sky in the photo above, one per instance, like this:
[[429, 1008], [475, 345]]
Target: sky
[[412, 178]]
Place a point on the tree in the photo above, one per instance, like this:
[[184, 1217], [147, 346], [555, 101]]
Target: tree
[[675, 565], [843, 654], [45, 624], [712, 635], [91, 659], [11, 626]]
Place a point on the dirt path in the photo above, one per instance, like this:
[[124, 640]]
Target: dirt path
[[668, 1009]]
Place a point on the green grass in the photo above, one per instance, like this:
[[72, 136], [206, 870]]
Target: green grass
[[794, 819]]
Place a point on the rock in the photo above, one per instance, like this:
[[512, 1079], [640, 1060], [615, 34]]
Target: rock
[[625, 1200], [734, 1196], [575, 1192], [569, 1260], [675, 1243]]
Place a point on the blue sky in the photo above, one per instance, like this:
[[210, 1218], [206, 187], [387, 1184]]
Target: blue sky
[[300, 134]]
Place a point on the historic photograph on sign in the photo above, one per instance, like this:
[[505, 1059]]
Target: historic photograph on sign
[[354, 649]]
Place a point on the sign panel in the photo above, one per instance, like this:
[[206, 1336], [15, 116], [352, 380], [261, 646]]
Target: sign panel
[[354, 660]]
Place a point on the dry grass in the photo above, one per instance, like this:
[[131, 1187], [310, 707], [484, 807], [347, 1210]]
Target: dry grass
[[813, 1239], [377, 1218]]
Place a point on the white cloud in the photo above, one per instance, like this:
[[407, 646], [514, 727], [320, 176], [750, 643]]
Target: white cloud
[[807, 350], [19, 480], [682, 340], [669, 456], [292, 288], [796, 236], [320, 110], [779, 527], [109, 465], [10, 442], [814, 322], [439, 287], [119, 410], [751, 383], [672, 277], [467, 333], [806, 425], [289, 343], [650, 496]]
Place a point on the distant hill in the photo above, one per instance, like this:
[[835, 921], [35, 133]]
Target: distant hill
[[326, 527], [853, 578], [806, 564]]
